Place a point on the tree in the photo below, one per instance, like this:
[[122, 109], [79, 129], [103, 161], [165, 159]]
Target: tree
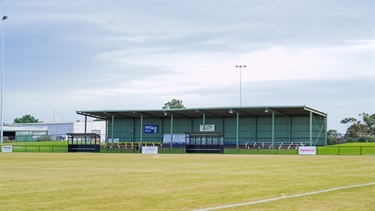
[[26, 119], [349, 121], [360, 130], [173, 104], [332, 137]]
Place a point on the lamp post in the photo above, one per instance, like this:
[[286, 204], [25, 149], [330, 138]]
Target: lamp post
[[240, 66], [54, 115], [2, 79]]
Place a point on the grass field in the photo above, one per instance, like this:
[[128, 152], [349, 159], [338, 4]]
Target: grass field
[[113, 181], [340, 149]]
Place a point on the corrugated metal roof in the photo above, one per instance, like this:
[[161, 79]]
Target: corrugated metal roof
[[250, 111], [24, 129]]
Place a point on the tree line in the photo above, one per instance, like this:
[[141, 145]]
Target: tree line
[[358, 130]]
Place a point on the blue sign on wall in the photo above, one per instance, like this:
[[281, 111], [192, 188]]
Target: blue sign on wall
[[150, 128]]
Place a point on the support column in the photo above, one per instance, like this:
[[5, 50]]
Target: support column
[[204, 122], [255, 129], [112, 125], [141, 133], [171, 140], [326, 127], [132, 132], [273, 129], [85, 130], [311, 119], [237, 129], [290, 130], [222, 126], [161, 130], [106, 130]]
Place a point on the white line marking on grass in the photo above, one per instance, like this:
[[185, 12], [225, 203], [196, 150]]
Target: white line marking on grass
[[285, 197]]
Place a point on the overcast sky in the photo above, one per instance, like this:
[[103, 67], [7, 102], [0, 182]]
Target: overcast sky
[[63, 56]]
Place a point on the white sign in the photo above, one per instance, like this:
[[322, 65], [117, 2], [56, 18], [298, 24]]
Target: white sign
[[177, 138], [115, 140], [207, 128], [7, 148], [307, 150], [149, 150]]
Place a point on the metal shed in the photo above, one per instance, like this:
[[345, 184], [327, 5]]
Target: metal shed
[[239, 125]]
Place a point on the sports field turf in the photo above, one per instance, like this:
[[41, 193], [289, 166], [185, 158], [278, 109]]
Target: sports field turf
[[68, 181]]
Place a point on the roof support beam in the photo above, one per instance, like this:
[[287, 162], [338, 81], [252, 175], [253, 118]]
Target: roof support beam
[[315, 111]]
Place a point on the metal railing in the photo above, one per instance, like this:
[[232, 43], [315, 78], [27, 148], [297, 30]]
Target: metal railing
[[180, 149]]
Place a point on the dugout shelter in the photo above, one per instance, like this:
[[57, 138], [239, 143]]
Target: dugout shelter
[[83, 142], [245, 126]]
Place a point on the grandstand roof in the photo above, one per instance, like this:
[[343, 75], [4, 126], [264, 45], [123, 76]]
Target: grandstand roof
[[248, 111]]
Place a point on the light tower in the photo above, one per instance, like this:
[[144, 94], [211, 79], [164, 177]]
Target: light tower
[[240, 66], [2, 79]]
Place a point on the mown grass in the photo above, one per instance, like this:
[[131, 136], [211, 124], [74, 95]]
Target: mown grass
[[113, 181]]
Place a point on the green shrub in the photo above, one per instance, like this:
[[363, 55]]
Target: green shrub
[[366, 138], [45, 138]]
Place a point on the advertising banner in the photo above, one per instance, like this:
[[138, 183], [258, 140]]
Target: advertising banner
[[149, 150], [207, 128], [7, 148], [150, 129], [307, 150]]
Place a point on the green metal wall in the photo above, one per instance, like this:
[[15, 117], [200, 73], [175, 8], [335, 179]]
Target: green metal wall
[[250, 129]]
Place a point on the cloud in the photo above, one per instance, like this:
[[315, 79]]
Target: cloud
[[75, 55]]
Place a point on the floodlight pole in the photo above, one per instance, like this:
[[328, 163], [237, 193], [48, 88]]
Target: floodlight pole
[[2, 79], [240, 66]]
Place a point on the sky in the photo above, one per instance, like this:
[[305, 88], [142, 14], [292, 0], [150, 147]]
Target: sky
[[65, 55]]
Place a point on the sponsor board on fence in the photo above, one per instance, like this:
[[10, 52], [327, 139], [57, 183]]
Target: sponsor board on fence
[[149, 150], [7, 148], [307, 150]]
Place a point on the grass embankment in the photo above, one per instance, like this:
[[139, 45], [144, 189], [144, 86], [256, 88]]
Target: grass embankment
[[42, 146], [76, 181], [354, 148], [356, 144], [37, 143]]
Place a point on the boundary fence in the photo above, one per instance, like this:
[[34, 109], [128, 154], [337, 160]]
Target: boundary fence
[[180, 149]]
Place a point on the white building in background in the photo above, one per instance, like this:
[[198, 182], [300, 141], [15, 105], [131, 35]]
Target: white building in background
[[19, 133], [58, 130]]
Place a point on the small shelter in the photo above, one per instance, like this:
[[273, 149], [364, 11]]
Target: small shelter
[[204, 142], [83, 142]]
